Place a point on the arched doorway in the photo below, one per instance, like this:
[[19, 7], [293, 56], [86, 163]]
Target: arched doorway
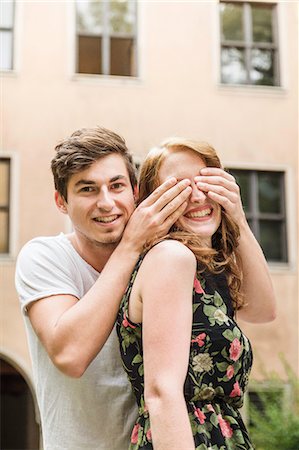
[[19, 429]]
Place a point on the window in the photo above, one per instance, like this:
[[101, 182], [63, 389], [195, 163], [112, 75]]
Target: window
[[4, 204], [249, 51], [6, 34], [106, 37], [263, 197]]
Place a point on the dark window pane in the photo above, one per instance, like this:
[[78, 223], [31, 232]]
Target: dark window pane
[[89, 54], [262, 23], [243, 180], [89, 17], [271, 240], [231, 21], [233, 65], [269, 191], [122, 16], [262, 67], [122, 56], [4, 231]]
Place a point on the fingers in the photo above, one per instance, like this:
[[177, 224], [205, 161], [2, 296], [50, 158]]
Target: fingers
[[222, 188], [165, 193], [172, 218]]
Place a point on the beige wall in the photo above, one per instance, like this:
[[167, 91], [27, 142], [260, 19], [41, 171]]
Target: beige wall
[[177, 93]]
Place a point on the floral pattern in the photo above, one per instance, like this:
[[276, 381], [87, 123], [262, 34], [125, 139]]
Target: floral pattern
[[220, 360]]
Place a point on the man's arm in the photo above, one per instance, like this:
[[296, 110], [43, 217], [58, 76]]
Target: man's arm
[[72, 331], [260, 305]]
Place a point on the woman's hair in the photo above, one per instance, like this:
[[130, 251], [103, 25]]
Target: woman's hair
[[222, 256], [84, 147]]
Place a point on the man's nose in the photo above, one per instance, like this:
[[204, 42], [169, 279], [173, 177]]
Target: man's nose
[[197, 196], [105, 200]]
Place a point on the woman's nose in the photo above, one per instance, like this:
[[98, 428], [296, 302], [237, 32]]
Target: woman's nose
[[197, 196]]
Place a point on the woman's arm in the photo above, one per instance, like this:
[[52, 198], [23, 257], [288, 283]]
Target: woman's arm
[[260, 304], [167, 277]]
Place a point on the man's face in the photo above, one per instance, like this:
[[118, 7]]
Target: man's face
[[100, 201]]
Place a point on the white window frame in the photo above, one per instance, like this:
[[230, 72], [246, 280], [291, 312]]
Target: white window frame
[[11, 30], [253, 89], [290, 210], [106, 49], [13, 202], [247, 43]]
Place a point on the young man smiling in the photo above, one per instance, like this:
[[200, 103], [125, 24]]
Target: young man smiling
[[70, 287]]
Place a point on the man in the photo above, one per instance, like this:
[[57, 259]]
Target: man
[[83, 394], [70, 286]]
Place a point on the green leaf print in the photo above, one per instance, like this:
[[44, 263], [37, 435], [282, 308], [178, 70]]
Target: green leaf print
[[222, 366], [137, 359], [237, 332], [239, 437], [229, 335], [218, 300], [214, 420], [209, 310], [141, 370]]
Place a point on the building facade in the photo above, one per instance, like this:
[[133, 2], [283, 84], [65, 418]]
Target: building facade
[[224, 72]]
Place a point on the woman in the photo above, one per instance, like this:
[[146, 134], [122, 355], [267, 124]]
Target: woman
[[186, 357]]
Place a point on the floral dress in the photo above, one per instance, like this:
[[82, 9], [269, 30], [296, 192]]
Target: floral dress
[[219, 364]]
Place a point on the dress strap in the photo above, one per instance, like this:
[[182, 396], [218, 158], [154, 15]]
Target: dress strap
[[127, 293]]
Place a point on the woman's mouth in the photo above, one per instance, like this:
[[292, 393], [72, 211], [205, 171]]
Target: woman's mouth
[[199, 213]]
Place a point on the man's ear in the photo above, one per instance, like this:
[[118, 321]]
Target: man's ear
[[60, 202]]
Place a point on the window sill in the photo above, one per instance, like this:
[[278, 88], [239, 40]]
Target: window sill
[[8, 73], [6, 259], [253, 90], [106, 79], [277, 268]]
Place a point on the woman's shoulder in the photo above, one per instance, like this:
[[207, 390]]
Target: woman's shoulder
[[170, 251]]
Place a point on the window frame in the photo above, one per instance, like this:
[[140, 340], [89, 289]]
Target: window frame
[[290, 211], [106, 37], [10, 30], [248, 44], [13, 202], [5, 208]]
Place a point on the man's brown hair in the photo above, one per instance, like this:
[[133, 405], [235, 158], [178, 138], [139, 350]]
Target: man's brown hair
[[82, 149]]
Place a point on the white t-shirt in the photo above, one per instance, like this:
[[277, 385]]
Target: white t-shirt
[[96, 411]]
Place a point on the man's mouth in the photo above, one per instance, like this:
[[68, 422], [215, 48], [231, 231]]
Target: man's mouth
[[198, 214], [106, 219]]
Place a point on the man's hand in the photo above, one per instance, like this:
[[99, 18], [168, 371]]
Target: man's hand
[[221, 187], [157, 213]]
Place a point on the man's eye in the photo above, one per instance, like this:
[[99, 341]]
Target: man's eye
[[86, 189], [117, 186]]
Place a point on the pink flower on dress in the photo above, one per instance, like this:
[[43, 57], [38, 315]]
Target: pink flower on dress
[[149, 435], [126, 323], [200, 415], [236, 392], [235, 350], [210, 408], [197, 287], [225, 427], [200, 339], [230, 372], [134, 436]]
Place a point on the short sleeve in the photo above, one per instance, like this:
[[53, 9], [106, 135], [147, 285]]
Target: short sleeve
[[43, 269]]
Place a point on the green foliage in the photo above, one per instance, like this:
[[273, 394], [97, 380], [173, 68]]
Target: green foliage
[[274, 421]]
